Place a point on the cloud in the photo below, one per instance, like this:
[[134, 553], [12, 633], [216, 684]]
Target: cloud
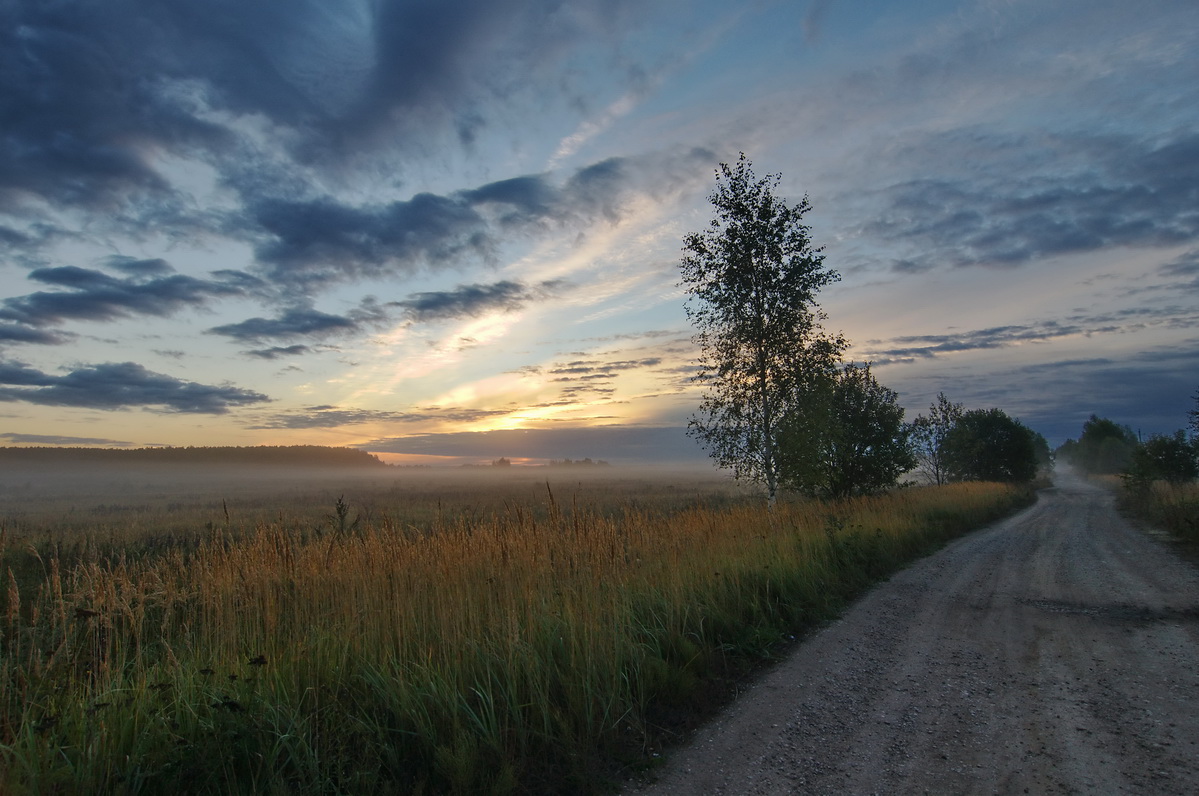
[[93, 295], [51, 439], [471, 301], [1061, 194], [291, 323], [300, 322], [930, 345], [909, 348], [94, 95], [279, 351], [581, 366], [82, 114], [334, 417], [1184, 265], [303, 244], [140, 268], [12, 333], [119, 386]]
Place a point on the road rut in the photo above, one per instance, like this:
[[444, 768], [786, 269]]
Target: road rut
[[1055, 652]]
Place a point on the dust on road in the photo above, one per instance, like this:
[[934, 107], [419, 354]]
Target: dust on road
[[1056, 652]]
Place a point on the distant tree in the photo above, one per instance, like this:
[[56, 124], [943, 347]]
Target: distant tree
[[502, 462], [1193, 420], [928, 435], [1043, 453], [988, 445], [1104, 447], [1171, 458], [751, 279], [847, 439]]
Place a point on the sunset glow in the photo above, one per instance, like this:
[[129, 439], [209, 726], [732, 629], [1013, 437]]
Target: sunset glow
[[318, 232]]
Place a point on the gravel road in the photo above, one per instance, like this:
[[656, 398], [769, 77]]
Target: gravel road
[[1055, 652]]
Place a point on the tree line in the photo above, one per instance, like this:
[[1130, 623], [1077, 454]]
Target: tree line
[[257, 455], [1106, 447], [781, 405]]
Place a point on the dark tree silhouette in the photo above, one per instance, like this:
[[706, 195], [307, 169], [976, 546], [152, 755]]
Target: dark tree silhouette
[[987, 445], [851, 440], [751, 279]]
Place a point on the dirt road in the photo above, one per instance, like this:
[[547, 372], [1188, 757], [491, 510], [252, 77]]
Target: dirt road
[[1056, 652]]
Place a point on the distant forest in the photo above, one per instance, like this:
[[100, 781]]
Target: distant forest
[[261, 455]]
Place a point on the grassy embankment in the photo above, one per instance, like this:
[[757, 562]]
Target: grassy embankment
[[529, 649], [1174, 508]]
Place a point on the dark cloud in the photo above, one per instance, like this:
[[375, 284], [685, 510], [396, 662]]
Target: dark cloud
[[1185, 265], [910, 348], [279, 351], [82, 112], [93, 295], [654, 444], [92, 93], [140, 268], [296, 322], [119, 386], [1053, 196], [580, 367], [333, 417], [49, 439], [930, 345], [13, 333], [306, 243], [469, 301], [324, 240]]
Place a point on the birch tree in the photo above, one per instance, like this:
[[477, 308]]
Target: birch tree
[[752, 277]]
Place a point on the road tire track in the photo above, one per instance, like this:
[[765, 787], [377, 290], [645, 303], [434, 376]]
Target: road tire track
[[1055, 652]]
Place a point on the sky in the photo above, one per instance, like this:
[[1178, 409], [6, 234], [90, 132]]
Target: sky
[[447, 232]]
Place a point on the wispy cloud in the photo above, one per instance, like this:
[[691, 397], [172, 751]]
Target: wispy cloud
[[54, 439], [277, 352], [1100, 193], [334, 417], [471, 301]]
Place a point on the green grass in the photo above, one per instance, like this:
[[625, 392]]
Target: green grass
[[528, 646]]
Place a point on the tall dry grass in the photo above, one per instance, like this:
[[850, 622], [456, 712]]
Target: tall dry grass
[[534, 649], [1172, 507]]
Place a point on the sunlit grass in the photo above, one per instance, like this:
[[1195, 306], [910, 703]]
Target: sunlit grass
[[537, 647]]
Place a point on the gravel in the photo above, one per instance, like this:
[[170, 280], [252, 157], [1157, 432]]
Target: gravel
[[1055, 652]]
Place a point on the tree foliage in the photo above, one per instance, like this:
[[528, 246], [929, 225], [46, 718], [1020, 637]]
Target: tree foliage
[[752, 278], [988, 445], [849, 438], [928, 434], [1193, 420], [1104, 447], [1166, 457]]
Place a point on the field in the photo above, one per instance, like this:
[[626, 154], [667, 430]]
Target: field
[[499, 630]]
